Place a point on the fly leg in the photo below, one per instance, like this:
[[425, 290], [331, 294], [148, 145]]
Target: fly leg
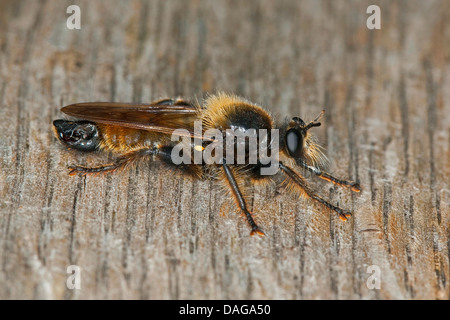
[[162, 152], [301, 184], [326, 176], [240, 200], [121, 162]]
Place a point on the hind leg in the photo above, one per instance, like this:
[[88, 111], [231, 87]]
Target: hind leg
[[121, 162]]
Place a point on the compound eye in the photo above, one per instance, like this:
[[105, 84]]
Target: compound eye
[[294, 143]]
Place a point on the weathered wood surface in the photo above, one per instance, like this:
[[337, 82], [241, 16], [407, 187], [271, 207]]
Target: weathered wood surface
[[152, 234]]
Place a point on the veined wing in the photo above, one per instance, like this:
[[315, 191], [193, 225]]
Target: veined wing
[[163, 116]]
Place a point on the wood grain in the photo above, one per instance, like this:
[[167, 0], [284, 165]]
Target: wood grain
[[152, 234]]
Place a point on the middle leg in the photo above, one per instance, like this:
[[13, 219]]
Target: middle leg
[[240, 200]]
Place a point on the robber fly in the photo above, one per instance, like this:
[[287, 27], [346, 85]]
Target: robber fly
[[136, 132]]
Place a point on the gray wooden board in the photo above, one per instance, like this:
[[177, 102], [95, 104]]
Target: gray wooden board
[[150, 233]]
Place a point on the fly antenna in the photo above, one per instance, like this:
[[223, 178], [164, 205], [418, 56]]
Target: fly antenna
[[314, 123]]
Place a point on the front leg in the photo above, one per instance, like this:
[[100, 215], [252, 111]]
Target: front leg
[[326, 176], [300, 183]]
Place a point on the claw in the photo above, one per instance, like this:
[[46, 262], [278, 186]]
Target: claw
[[76, 170], [73, 171], [345, 216], [257, 231], [356, 187]]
